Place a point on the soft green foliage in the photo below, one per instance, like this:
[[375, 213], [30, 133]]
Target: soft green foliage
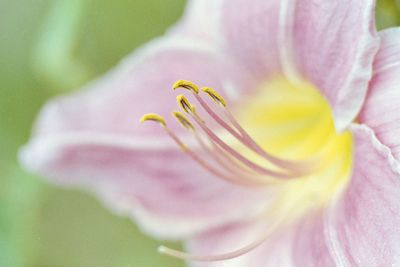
[[48, 47], [388, 13]]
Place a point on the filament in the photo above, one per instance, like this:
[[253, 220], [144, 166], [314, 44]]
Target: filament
[[244, 137], [223, 256], [227, 163], [196, 157], [237, 155], [230, 165]]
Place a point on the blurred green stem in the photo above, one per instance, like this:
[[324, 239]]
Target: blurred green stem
[[55, 59], [19, 197]]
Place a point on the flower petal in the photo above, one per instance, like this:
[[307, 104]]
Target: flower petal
[[200, 20], [329, 43], [250, 31], [360, 228], [161, 187], [364, 228], [93, 139], [381, 110], [141, 84]]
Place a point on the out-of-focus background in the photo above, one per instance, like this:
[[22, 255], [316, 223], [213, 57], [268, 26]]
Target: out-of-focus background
[[49, 47]]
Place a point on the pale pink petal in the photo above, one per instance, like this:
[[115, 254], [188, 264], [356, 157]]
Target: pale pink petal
[[381, 110], [310, 242], [161, 187], [200, 21], [364, 226], [142, 83], [250, 32], [329, 43], [93, 139], [360, 227]]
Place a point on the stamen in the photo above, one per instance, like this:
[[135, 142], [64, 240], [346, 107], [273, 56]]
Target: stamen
[[244, 138], [214, 96], [220, 121], [194, 156], [184, 103], [304, 167], [238, 172], [187, 85], [183, 120], [214, 138], [288, 170], [153, 117], [189, 108]]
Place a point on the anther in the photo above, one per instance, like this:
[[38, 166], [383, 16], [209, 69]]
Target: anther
[[153, 117], [187, 85], [183, 120], [214, 96], [184, 103]]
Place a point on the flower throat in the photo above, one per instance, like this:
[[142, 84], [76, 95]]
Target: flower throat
[[282, 136]]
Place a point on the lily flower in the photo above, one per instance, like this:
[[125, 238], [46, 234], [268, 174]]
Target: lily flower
[[285, 149]]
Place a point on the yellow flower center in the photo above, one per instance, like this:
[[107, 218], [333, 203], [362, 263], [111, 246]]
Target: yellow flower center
[[295, 122]]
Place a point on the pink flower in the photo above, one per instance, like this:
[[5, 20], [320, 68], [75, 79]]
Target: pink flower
[[313, 84]]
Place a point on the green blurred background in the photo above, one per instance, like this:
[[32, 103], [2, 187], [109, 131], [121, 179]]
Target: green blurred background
[[48, 47]]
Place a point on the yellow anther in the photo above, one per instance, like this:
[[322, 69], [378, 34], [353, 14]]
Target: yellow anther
[[187, 85], [153, 117], [183, 120], [184, 103], [214, 95]]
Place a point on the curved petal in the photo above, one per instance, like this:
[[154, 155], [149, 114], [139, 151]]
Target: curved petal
[[364, 226], [141, 84], [358, 229], [381, 110], [360, 226], [329, 43], [160, 186], [93, 139]]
